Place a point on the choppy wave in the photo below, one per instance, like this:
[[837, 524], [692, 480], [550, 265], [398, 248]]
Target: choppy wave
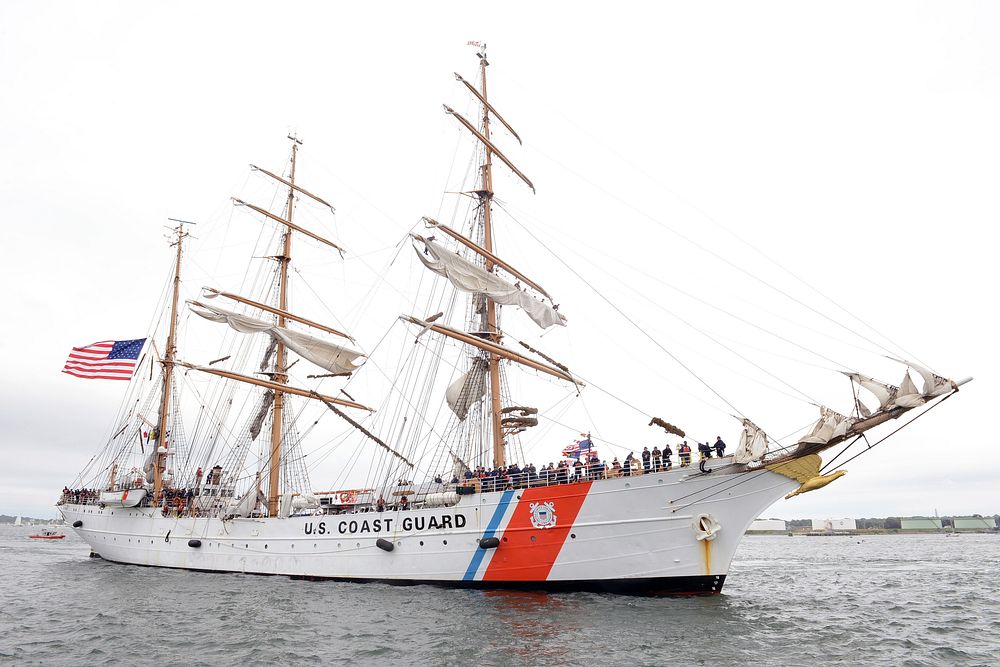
[[877, 600]]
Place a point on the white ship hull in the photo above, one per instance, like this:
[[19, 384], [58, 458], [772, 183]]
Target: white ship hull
[[642, 534]]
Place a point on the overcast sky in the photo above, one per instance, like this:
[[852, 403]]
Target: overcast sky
[[853, 144]]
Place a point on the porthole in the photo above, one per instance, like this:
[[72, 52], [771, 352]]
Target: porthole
[[265, 546], [573, 535], [421, 543], [445, 542], [534, 539]]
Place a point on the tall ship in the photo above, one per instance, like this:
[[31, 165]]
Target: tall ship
[[209, 466]]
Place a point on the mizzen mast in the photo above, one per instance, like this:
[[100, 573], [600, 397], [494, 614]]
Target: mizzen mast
[[168, 370]]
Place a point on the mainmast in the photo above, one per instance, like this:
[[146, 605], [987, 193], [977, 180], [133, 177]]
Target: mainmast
[[168, 371], [280, 376], [499, 455]]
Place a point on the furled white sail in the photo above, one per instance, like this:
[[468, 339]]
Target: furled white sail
[[326, 355], [885, 393], [467, 390], [248, 502], [909, 396], [469, 277], [460, 467], [829, 426], [753, 444], [934, 385]]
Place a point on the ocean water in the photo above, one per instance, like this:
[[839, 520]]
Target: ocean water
[[871, 600]]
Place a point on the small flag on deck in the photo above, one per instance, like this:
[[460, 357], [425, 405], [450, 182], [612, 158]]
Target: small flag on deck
[[106, 360]]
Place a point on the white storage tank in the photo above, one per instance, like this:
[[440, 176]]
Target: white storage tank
[[974, 523], [834, 524], [765, 525]]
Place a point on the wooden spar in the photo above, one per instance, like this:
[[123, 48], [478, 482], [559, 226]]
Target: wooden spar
[[275, 386], [277, 311], [294, 187], [494, 349], [490, 148], [496, 405], [168, 373], [489, 256], [489, 107], [288, 223], [279, 351]]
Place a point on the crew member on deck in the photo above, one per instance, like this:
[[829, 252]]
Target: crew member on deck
[[685, 454], [720, 447], [645, 460], [705, 450], [667, 453]]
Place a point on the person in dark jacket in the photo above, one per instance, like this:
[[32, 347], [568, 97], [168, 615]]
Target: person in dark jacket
[[667, 453], [645, 460], [720, 447]]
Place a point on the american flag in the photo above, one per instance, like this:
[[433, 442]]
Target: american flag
[[106, 360], [580, 448]]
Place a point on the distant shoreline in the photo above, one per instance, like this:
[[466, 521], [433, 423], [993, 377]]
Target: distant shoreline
[[876, 531]]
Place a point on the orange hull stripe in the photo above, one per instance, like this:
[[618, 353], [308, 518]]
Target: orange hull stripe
[[527, 553]]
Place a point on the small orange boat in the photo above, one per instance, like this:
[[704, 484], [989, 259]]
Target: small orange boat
[[47, 535]]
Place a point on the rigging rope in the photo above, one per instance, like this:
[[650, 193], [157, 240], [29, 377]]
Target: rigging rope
[[713, 254], [628, 319]]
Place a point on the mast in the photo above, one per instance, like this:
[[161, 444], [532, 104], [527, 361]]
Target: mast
[[168, 372], [499, 455], [280, 377]]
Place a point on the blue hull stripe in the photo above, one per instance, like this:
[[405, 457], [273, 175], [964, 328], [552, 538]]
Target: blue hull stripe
[[491, 528]]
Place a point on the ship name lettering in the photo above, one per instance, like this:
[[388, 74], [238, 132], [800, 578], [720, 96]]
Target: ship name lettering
[[319, 529], [408, 524]]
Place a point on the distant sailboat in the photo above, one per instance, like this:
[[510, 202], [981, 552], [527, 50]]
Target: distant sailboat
[[17, 522]]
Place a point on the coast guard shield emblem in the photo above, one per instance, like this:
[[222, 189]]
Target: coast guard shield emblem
[[543, 515]]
